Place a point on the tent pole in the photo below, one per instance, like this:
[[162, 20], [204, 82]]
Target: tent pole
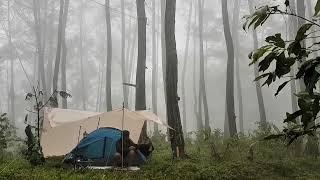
[[79, 134], [98, 123], [122, 133]]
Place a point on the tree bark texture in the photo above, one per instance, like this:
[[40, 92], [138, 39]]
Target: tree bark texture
[[230, 71], [109, 57], [184, 72], [173, 113]]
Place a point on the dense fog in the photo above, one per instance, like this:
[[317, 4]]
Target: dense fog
[[86, 43]]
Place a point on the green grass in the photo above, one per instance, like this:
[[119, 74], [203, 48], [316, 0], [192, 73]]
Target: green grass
[[271, 160]]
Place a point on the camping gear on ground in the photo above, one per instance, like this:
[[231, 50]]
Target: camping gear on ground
[[98, 149], [63, 128]]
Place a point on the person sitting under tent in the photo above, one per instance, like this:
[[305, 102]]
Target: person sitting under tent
[[133, 154], [126, 151], [145, 146]]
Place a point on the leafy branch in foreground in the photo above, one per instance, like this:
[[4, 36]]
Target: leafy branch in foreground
[[285, 55], [34, 151]]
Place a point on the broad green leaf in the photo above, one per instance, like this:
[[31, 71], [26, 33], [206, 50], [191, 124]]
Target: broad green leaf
[[317, 68], [315, 107], [258, 54], [306, 118], [257, 18], [265, 63], [261, 20], [294, 48], [282, 66], [262, 76], [271, 78], [302, 31], [254, 20], [303, 104], [276, 40], [292, 117], [281, 87]]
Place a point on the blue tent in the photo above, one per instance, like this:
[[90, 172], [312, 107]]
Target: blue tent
[[99, 147]]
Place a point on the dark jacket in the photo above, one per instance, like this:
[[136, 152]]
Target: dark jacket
[[126, 144]]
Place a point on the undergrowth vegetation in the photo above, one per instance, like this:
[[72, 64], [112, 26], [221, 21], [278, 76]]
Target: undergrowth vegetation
[[210, 157]]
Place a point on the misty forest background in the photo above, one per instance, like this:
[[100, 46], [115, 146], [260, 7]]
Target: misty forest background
[[225, 74], [23, 57]]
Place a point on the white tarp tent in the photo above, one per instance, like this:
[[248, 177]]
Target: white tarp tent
[[62, 128]]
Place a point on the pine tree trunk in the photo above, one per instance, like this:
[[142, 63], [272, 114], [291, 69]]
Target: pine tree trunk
[[173, 114], [158, 24], [141, 62], [301, 11], [81, 51], [58, 54], [235, 35], [123, 60], [50, 54], [202, 86], [109, 57], [132, 59], [128, 59], [163, 45], [230, 71], [310, 15], [11, 107], [64, 55], [154, 64], [262, 111], [293, 29], [198, 114], [184, 71], [40, 42], [312, 145], [98, 90]]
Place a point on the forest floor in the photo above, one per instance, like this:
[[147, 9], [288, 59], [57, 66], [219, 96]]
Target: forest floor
[[207, 160]]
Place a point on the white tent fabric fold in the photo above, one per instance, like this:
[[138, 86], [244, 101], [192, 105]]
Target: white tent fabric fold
[[55, 117], [63, 128]]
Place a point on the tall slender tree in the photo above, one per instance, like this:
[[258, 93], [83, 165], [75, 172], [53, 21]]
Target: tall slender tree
[[123, 56], [99, 89], [312, 145], [154, 64], [197, 113], [132, 58], [39, 29], [128, 48], [230, 119], [235, 35], [301, 12], [11, 102], [293, 24], [109, 56], [163, 45], [141, 61], [173, 113], [64, 55], [50, 52], [262, 111], [184, 71], [202, 86], [61, 34], [310, 15], [81, 53]]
